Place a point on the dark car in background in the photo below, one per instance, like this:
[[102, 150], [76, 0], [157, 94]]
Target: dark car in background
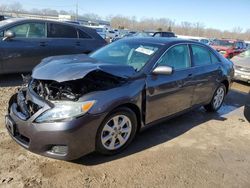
[[228, 48], [242, 66], [25, 42], [164, 34], [77, 104], [2, 18], [247, 108]]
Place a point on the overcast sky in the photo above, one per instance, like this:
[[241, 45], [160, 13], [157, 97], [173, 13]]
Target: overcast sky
[[219, 14]]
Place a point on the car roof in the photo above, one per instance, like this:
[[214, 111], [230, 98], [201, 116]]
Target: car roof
[[13, 20], [160, 40]]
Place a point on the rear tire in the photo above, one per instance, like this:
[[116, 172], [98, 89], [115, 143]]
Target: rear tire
[[116, 131], [217, 100]]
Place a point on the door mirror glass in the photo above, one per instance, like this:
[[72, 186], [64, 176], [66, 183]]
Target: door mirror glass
[[9, 35], [166, 70]]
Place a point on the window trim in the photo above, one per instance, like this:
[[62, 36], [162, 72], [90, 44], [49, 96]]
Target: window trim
[[179, 44], [210, 52], [78, 35], [29, 22], [75, 28]]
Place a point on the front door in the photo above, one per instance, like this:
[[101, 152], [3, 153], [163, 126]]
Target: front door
[[24, 51], [169, 94]]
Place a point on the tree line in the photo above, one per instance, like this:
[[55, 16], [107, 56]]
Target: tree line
[[145, 24]]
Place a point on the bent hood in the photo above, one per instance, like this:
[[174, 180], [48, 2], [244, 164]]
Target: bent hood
[[73, 67]]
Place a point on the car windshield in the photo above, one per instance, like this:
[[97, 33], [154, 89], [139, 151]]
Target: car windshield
[[223, 43], [245, 54], [135, 54]]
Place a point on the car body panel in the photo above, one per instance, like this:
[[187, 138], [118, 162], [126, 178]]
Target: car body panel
[[72, 67]]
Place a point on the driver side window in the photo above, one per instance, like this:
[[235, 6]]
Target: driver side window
[[176, 57], [29, 30]]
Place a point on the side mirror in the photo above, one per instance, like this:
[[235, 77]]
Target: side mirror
[[166, 70], [9, 35]]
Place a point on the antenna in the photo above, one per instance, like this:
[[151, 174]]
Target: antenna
[[76, 18]]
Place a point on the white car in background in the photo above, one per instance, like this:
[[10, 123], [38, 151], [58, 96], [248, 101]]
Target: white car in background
[[101, 30], [111, 34], [194, 38]]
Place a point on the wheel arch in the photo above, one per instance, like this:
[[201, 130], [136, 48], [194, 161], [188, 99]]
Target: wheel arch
[[226, 83], [135, 109]]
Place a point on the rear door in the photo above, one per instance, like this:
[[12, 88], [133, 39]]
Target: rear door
[[26, 50], [170, 94], [62, 39], [206, 72], [87, 43]]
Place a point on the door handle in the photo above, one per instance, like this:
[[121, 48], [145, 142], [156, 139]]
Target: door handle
[[43, 44], [78, 43]]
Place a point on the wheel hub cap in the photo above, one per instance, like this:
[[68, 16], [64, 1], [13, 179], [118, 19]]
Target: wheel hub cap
[[116, 132]]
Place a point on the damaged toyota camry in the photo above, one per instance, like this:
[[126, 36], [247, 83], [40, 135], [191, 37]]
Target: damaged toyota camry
[[73, 105]]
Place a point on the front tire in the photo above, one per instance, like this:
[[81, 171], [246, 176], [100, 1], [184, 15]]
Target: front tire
[[116, 132], [217, 100]]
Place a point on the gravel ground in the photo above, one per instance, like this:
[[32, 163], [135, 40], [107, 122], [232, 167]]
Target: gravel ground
[[197, 149]]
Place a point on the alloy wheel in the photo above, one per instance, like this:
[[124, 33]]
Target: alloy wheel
[[116, 132], [219, 97]]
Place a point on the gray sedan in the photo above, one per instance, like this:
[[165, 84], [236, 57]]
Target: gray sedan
[[242, 66], [77, 104]]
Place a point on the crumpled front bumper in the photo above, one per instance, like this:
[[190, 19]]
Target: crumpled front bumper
[[77, 135]]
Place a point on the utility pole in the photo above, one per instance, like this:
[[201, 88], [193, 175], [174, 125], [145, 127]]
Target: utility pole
[[76, 18]]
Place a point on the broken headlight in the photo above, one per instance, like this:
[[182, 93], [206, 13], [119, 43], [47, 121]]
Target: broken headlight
[[65, 110]]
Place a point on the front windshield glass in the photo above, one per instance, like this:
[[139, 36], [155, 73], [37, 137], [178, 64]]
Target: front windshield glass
[[223, 43], [245, 54], [135, 54]]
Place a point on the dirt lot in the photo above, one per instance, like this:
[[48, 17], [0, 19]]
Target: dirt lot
[[194, 150]]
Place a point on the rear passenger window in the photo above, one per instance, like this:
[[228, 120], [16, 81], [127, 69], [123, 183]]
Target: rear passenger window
[[83, 35], [201, 56], [176, 57], [61, 31]]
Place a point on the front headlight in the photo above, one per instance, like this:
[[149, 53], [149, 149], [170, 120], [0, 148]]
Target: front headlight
[[65, 110]]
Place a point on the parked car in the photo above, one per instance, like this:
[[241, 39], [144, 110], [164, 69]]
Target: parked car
[[2, 18], [111, 34], [77, 104], [25, 42], [229, 48], [242, 66], [164, 34], [247, 108]]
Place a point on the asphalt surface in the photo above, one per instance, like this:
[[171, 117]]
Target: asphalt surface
[[197, 149]]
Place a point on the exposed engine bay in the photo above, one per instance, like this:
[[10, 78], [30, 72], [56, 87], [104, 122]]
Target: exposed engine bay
[[72, 90]]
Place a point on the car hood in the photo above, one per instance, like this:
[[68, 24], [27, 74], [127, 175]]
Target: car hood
[[241, 61], [73, 67]]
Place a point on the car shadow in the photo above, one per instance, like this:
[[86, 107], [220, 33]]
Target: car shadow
[[170, 129], [11, 80]]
